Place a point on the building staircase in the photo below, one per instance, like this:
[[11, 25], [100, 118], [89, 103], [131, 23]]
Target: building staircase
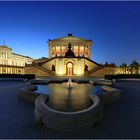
[[43, 69], [96, 69], [100, 67]]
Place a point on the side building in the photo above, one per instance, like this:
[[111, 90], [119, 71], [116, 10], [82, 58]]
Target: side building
[[11, 63]]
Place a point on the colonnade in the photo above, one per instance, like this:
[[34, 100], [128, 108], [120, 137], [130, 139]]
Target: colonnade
[[11, 70], [12, 62], [4, 55], [61, 50]]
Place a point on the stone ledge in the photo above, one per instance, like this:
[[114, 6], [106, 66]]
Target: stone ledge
[[41, 82], [68, 121], [100, 82], [27, 94], [14, 79], [110, 95]]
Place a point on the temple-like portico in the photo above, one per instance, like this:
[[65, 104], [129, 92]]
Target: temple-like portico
[[69, 56], [80, 47]]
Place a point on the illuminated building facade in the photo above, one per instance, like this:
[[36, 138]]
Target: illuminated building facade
[[68, 56], [11, 63]]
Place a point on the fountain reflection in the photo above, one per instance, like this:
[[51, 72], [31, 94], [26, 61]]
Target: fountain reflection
[[69, 96]]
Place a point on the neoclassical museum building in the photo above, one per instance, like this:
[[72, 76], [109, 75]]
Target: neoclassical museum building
[[11, 63], [68, 56]]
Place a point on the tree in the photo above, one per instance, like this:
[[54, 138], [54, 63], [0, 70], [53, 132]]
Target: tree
[[123, 67], [113, 64], [134, 67], [106, 63]]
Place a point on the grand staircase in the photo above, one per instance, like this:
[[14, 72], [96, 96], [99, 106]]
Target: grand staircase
[[43, 69], [100, 67], [96, 69]]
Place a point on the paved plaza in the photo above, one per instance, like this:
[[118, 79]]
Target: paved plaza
[[120, 120]]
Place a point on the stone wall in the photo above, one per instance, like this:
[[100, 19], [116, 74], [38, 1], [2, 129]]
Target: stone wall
[[48, 65], [90, 65], [104, 71], [36, 71]]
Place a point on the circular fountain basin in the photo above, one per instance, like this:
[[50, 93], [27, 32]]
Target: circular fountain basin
[[67, 107], [79, 91], [68, 121]]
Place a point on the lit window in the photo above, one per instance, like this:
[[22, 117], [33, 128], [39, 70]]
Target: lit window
[[58, 50], [81, 50], [76, 50], [53, 50], [86, 51], [63, 50]]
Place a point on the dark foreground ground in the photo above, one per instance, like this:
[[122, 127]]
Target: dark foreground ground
[[120, 120]]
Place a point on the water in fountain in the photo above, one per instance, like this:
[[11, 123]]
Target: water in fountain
[[68, 96]]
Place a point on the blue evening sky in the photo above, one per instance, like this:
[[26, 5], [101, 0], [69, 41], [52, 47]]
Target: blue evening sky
[[114, 27]]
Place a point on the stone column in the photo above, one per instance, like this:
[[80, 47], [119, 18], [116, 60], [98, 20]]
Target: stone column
[[0, 69], [88, 52], [55, 51], [78, 50], [60, 50], [84, 51], [50, 48], [72, 47]]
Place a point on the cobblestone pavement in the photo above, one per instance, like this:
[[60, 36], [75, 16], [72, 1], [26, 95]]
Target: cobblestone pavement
[[121, 119]]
